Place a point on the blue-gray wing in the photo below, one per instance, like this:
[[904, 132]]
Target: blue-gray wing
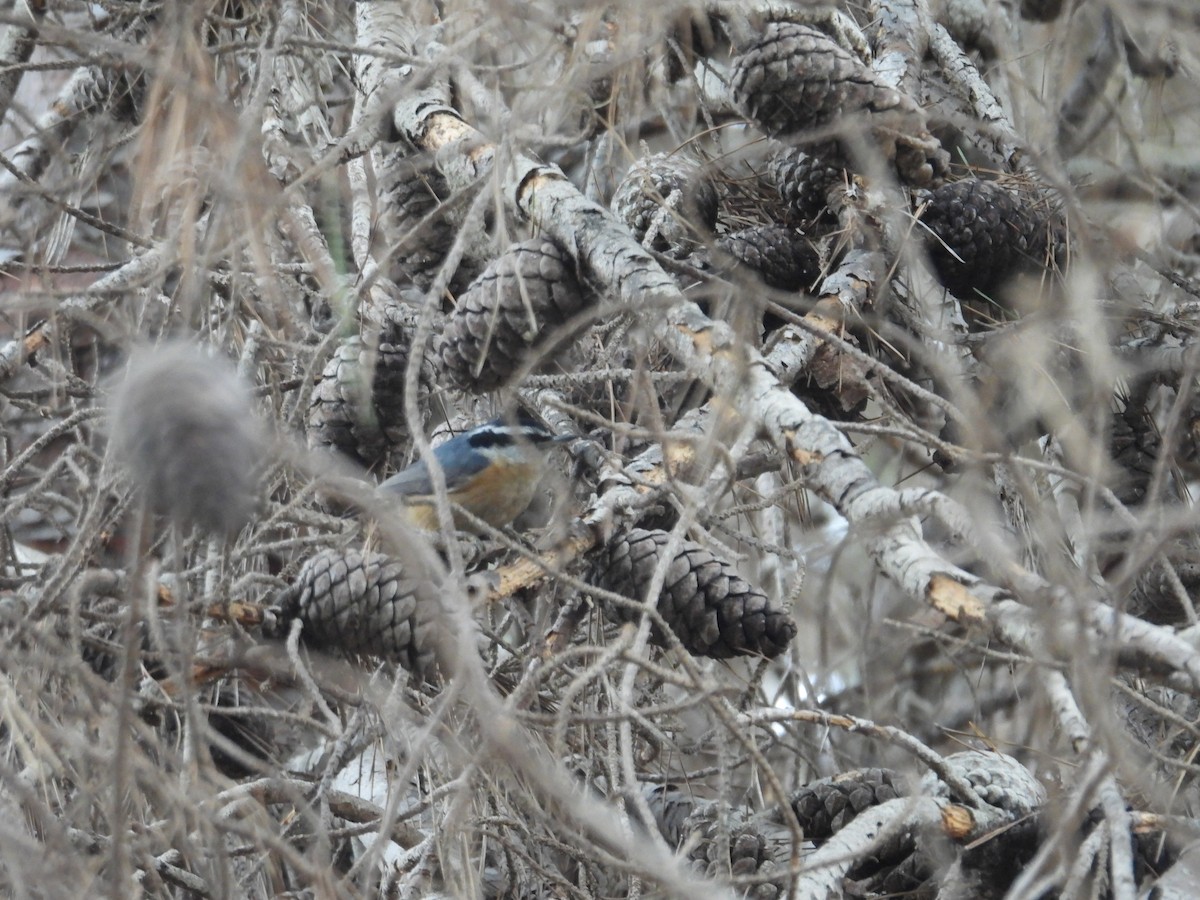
[[411, 482]]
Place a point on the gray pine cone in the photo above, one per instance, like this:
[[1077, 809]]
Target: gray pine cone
[[805, 177], [781, 257], [998, 779], [359, 603], [737, 848], [100, 644], [826, 806], [668, 203], [411, 192], [797, 78], [339, 413], [709, 607], [670, 807], [358, 405], [503, 317]]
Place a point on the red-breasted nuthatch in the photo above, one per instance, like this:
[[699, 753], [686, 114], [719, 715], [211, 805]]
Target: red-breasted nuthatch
[[491, 471]]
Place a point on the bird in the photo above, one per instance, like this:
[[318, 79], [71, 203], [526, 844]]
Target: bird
[[491, 471]]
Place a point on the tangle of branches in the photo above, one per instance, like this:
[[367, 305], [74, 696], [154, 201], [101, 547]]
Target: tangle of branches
[[866, 563]]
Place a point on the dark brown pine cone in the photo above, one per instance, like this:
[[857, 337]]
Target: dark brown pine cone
[[897, 870], [668, 203], [1135, 444], [1154, 595], [708, 606], [339, 413], [1041, 10], [358, 405], [824, 807], [692, 35], [781, 257], [359, 602], [387, 386], [250, 733], [100, 642], [805, 177], [797, 78], [981, 234], [505, 315]]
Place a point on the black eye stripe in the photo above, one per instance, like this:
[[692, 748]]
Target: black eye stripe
[[504, 436]]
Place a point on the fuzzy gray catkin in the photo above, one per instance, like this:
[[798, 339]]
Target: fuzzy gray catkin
[[183, 426]]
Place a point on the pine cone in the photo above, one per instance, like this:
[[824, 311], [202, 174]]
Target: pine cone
[[896, 870], [797, 78], [1148, 726], [500, 318], [251, 733], [708, 606], [411, 192], [780, 256], [388, 365], [668, 203], [692, 35], [748, 853], [982, 235], [804, 178], [100, 644], [997, 778], [670, 807], [358, 405], [1135, 444], [359, 603], [1041, 10], [825, 807], [338, 413]]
